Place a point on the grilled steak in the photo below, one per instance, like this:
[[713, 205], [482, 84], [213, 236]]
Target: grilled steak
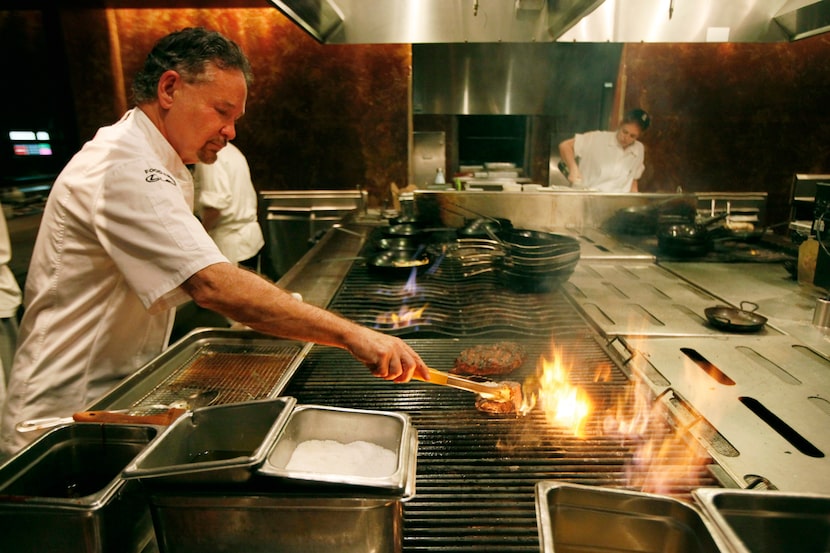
[[502, 406], [492, 359]]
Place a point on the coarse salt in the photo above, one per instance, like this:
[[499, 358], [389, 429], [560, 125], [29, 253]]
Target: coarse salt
[[358, 458]]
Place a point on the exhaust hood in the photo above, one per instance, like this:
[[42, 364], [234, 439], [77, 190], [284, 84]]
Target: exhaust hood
[[503, 21]]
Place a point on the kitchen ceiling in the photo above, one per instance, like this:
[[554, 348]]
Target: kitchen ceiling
[[460, 21]]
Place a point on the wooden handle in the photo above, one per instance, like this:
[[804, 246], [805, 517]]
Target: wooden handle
[[160, 419]]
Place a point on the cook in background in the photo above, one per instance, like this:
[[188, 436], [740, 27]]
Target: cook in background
[[226, 203], [10, 297], [607, 161], [119, 246]]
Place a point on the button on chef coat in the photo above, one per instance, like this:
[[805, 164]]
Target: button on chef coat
[[117, 240], [604, 164]]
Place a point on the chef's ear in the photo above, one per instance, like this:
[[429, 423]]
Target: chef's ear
[[168, 83]]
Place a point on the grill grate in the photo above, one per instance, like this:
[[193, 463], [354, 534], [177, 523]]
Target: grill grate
[[475, 485], [236, 376], [477, 472], [447, 301]]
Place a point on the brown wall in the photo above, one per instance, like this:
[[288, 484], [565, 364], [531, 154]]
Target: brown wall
[[727, 117], [732, 117], [318, 117]]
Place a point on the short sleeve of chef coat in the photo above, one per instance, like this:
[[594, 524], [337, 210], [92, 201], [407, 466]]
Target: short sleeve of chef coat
[[147, 227]]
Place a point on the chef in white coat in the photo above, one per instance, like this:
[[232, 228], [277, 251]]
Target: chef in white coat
[[10, 299], [119, 247], [607, 161], [226, 203]]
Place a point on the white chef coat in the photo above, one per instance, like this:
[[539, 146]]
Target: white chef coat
[[10, 298], [117, 239], [604, 164], [226, 186]]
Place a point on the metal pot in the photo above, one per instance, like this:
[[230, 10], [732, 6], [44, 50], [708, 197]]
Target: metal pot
[[733, 319]]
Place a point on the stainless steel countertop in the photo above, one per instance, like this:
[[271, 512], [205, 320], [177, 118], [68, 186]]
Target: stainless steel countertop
[[788, 305]]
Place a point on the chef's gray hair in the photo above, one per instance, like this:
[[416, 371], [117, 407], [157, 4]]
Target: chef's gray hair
[[187, 52]]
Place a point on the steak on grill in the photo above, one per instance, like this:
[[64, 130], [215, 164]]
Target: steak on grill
[[502, 406], [490, 359]]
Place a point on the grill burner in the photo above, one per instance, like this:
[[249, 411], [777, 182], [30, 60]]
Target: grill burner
[[454, 304]]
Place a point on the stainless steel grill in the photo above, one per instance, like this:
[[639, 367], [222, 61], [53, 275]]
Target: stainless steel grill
[[476, 472]]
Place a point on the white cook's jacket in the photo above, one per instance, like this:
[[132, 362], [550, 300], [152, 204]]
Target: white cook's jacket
[[117, 239], [226, 186], [604, 164]]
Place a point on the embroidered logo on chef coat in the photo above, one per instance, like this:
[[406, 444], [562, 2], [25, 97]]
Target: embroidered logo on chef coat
[[155, 175]]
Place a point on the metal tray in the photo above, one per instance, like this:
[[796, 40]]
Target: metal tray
[[265, 522], [238, 366], [769, 521], [63, 492], [389, 430], [573, 517], [220, 444]]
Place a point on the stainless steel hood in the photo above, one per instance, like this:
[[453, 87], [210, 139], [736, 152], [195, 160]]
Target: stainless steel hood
[[503, 21]]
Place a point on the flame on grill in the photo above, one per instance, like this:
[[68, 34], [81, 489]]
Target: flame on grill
[[411, 286], [406, 316], [564, 405], [665, 458]]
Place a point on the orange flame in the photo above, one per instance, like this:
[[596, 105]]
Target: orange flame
[[666, 457], [564, 405], [406, 316]]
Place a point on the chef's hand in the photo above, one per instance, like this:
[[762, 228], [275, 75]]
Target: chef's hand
[[388, 357], [575, 177]]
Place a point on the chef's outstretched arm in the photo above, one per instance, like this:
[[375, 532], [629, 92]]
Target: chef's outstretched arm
[[568, 154], [250, 299]]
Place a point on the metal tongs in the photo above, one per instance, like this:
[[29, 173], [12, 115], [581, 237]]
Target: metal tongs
[[489, 389]]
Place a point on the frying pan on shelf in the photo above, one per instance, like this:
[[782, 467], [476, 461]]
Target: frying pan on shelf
[[733, 319], [399, 263], [398, 243]]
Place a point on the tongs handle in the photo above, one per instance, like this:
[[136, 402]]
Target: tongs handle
[[160, 419], [488, 389]]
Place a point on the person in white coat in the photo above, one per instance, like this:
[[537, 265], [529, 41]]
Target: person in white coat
[[226, 203], [607, 161], [10, 299], [119, 247]]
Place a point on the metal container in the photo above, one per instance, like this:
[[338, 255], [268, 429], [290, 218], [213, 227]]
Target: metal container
[[217, 444], [63, 492], [573, 517], [391, 431], [821, 315], [255, 521], [767, 521], [288, 510]]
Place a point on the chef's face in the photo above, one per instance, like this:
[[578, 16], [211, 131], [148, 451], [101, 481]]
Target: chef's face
[[202, 115], [627, 134]]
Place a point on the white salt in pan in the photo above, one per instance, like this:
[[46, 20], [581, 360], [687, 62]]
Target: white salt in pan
[[357, 458]]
